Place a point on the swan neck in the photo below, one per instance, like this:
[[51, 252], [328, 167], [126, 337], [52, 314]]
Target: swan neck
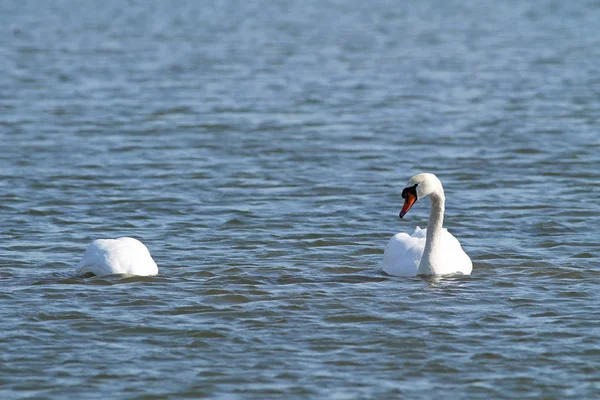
[[434, 235], [436, 218]]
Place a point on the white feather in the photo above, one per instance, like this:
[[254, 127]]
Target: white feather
[[126, 256]]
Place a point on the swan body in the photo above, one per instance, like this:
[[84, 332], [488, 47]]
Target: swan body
[[124, 256], [430, 251]]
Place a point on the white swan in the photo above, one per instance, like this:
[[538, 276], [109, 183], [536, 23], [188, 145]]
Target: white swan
[[126, 256], [431, 251]]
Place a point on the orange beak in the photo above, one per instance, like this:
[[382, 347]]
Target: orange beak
[[409, 200]]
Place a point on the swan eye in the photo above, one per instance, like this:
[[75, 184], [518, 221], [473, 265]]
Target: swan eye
[[412, 190]]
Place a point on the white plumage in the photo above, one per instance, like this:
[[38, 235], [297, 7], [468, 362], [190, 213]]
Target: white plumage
[[431, 251], [124, 256]]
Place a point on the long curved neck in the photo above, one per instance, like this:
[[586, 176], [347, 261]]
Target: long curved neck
[[433, 239]]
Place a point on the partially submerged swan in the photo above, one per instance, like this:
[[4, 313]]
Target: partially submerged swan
[[431, 251], [124, 256]]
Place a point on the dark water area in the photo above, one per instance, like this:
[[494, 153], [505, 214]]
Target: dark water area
[[259, 149]]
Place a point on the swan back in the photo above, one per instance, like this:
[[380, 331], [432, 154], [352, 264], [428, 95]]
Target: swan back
[[127, 256], [403, 253]]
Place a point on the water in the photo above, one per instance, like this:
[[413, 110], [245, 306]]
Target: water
[[259, 150]]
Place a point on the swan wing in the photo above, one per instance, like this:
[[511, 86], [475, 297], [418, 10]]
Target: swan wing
[[403, 253], [456, 260]]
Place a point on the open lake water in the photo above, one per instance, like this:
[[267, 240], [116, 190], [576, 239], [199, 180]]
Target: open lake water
[[259, 149]]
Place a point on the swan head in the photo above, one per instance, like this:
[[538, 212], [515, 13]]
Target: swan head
[[419, 186]]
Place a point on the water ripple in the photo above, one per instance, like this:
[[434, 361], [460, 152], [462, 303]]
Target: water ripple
[[259, 152]]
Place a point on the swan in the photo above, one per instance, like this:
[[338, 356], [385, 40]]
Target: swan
[[124, 256], [430, 251]]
